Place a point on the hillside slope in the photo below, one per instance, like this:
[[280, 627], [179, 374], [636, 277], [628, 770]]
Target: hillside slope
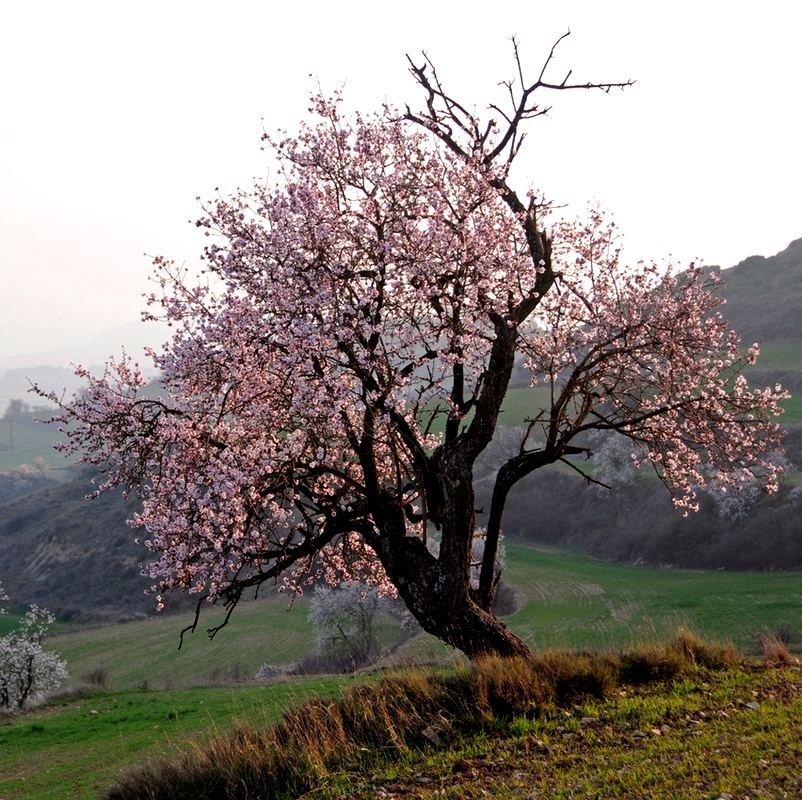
[[764, 297], [76, 557]]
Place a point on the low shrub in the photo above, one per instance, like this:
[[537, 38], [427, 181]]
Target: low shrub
[[97, 678]]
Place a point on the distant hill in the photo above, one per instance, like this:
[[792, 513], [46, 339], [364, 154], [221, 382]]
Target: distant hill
[[764, 297], [75, 556]]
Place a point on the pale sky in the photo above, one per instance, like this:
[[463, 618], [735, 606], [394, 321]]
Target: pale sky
[[114, 117]]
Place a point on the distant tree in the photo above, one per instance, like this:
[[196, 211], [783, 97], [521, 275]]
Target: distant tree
[[333, 380], [27, 670], [346, 619], [14, 414]]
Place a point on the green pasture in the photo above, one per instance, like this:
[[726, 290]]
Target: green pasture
[[145, 652], [780, 357], [33, 440], [571, 601], [793, 410], [578, 602], [75, 747], [10, 621]]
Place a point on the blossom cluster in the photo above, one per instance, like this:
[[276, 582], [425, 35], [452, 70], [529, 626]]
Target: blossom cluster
[[644, 352]]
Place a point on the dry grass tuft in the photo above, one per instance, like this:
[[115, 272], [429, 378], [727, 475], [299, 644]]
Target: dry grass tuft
[[666, 661], [775, 650]]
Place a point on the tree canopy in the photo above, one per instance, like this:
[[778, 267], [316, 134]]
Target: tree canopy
[[336, 373]]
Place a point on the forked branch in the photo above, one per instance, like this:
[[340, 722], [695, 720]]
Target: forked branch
[[445, 117]]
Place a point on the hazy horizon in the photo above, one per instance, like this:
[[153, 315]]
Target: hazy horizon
[[116, 119]]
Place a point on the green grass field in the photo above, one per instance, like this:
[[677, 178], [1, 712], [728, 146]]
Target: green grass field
[[33, 440], [146, 652], [575, 601], [66, 750], [570, 601], [780, 357]]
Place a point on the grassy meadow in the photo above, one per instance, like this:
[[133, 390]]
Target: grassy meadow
[[679, 720], [159, 701], [780, 357], [32, 440], [573, 601], [76, 746], [145, 652]]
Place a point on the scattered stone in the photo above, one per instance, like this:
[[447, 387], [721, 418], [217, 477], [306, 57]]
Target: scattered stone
[[93, 713], [639, 735], [753, 705], [587, 720], [431, 735], [655, 732], [665, 729], [538, 746], [462, 765]]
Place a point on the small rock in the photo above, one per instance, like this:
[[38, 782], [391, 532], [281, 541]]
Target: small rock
[[655, 732], [753, 705], [432, 736], [665, 729], [538, 745], [639, 735], [587, 720], [93, 713], [461, 765]]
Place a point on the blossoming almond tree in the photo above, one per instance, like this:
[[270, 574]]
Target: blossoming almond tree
[[330, 385]]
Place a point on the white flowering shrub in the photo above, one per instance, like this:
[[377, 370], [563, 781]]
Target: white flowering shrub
[[346, 620], [614, 458], [734, 504], [478, 554], [27, 670], [267, 671]]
